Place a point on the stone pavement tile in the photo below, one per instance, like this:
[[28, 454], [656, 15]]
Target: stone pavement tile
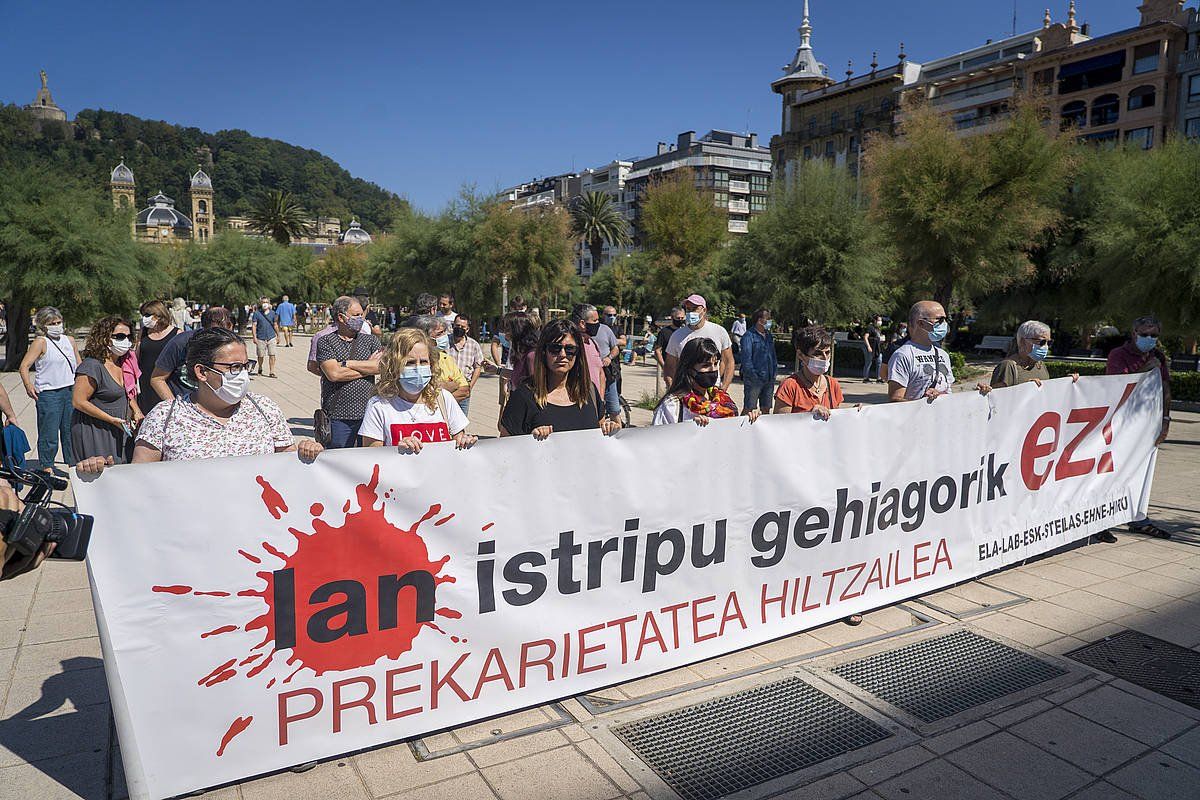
[[891, 765], [1134, 554], [62, 602], [1061, 646], [891, 618], [959, 737], [836, 634], [1073, 691], [509, 723], [1082, 742], [8, 656], [65, 692], [951, 603], [576, 733], [1099, 632], [609, 765], [80, 775], [1103, 791], [1131, 594], [327, 781], [24, 740], [1137, 718], [1185, 748], [1019, 768], [938, 780], [1183, 572], [1029, 585], [733, 662], [1018, 630], [60, 575], [519, 747], [1064, 574], [1024, 711], [388, 770], [1103, 567], [1164, 626], [1173, 587], [1097, 605], [786, 649], [664, 681], [562, 774], [981, 594], [464, 787], [1158, 777], [54, 657], [15, 607], [61, 627], [1067, 621], [11, 632], [835, 787]]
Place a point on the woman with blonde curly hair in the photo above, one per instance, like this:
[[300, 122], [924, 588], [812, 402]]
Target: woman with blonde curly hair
[[106, 412], [409, 409]]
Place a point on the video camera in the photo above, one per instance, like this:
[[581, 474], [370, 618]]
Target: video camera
[[27, 530]]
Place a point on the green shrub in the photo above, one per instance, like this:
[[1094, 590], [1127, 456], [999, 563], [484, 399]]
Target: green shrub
[[1185, 385], [1061, 369], [958, 362], [785, 352]]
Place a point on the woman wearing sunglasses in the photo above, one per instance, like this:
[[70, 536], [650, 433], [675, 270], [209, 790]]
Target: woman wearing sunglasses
[[559, 395], [220, 418], [1028, 360], [694, 393], [104, 395]]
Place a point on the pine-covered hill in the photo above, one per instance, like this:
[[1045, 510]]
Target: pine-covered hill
[[164, 156]]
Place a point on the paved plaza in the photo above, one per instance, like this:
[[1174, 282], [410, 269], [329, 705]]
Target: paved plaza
[[1080, 733]]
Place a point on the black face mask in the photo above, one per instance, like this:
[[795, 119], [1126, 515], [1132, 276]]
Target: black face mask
[[676, 323], [459, 333], [592, 328], [705, 380], [611, 319]]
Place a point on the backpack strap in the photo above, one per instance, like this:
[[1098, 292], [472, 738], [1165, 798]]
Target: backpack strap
[[441, 407]]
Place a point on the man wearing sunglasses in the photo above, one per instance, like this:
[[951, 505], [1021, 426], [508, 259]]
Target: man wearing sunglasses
[[920, 368]]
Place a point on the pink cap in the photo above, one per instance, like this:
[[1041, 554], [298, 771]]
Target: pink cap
[[696, 300]]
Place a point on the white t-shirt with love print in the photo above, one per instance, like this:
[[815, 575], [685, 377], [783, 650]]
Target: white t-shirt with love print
[[389, 421]]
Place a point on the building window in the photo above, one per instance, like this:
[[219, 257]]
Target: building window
[[808, 153], [812, 126], [1106, 110], [858, 116], [720, 177], [1143, 137], [203, 206], [852, 146], [758, 202], [1191, 128], [1145, 58], [1141, 97], [1091, 73], [1194, 89], [1074, 115], [721, 199], [885, 106], [758, 183], [1107, 139], [835, 119], [829, 151]]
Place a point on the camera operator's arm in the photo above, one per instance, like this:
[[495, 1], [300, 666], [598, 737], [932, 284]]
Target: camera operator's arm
[[6, 409]]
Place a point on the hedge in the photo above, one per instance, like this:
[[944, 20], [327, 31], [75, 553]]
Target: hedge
[[1184, 385]]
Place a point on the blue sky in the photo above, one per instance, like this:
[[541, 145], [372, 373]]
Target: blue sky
[[423, 97]]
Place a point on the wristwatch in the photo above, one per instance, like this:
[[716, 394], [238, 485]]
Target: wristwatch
[[343, 363]]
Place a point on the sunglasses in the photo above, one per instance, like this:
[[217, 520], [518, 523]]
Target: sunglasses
[[569, 349], [1041, 342], [120, 337], [935, 320]]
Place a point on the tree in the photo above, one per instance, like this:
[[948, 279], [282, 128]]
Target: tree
[[234, 269], [684, 231], [338, 271], [532, 246], [597, 222], [279, 216], [62, 244], [622, 283], [814, 253], [964, 212], [1143, 231]]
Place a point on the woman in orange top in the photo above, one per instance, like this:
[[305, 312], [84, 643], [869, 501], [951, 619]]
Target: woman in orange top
[[811, 389]]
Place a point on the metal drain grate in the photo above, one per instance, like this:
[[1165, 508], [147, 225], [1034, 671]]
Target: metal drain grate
[[728, 744], [940, 677], [1152, 663]]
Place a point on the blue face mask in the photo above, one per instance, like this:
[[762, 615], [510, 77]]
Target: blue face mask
[[939, 332], [1146, 343], [442, 342], [692, 318], [1039, 352], [769, 324], [414, 379]]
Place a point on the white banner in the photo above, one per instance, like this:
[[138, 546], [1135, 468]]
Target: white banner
[[257, 613]]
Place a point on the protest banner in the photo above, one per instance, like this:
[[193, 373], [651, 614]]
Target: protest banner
[[257, 613]]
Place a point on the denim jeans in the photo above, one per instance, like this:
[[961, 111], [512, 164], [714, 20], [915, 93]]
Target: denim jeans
[[758, 395], [465, 405], [871, 364], [54, 425], [612, 399], [343, 433]]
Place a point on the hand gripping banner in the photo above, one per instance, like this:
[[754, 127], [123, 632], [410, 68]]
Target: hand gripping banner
[[257, 613]]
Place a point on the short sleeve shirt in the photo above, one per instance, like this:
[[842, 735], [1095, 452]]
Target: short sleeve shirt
[[795, 394], [710, 330], [182, 432], [1009, 373], [1127, 359], [264, 325], [389, 421], [287, 314], [172, 358], [670, 411], [605, 340], [347, 399], [918, 369], [312, 346], [450, 371], [468, 357]]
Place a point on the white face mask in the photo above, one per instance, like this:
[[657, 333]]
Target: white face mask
[[817, 366], [120, 348], [148, 322], [54, 331], [233, 387]]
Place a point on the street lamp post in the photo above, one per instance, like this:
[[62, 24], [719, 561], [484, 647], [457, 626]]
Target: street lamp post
[[504, 294]]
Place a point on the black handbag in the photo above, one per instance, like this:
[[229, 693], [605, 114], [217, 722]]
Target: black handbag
[[322, 429]]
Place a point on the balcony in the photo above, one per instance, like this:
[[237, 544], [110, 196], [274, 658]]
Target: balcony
[[1189, 60], [738, 226], [739, 187], [739, 206]]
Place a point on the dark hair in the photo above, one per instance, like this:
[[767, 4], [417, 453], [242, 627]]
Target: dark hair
[[100, 335], [812, 336], [216, 317], [462, 316], [581, 311], [522, 333], [203, 346], [695, 351], [579, 382], [424, 303], [762, 312]]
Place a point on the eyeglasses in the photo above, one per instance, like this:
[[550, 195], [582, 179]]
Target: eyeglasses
[[1040, 342], [120, 337], [569, 350], [233, 368]]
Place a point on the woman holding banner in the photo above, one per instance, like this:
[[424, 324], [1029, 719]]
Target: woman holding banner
[[694, 394], [220, 418], [559, 395], [409, 409]]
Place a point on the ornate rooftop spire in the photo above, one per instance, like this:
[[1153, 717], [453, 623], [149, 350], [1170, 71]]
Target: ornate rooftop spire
[[1046, 20], [1071, 16], [805, 31]]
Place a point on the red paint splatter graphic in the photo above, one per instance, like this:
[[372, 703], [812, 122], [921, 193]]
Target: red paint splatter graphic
[[272, 499], [488, 526], [237, 726], [347, 596]]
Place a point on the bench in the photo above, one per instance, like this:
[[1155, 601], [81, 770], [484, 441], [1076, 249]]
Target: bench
[[997, 343]]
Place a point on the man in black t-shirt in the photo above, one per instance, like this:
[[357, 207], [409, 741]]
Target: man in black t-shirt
[[349, 362], [664, 336]]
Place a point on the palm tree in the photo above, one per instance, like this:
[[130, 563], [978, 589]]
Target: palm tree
[[280, 217], [597, 222]]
